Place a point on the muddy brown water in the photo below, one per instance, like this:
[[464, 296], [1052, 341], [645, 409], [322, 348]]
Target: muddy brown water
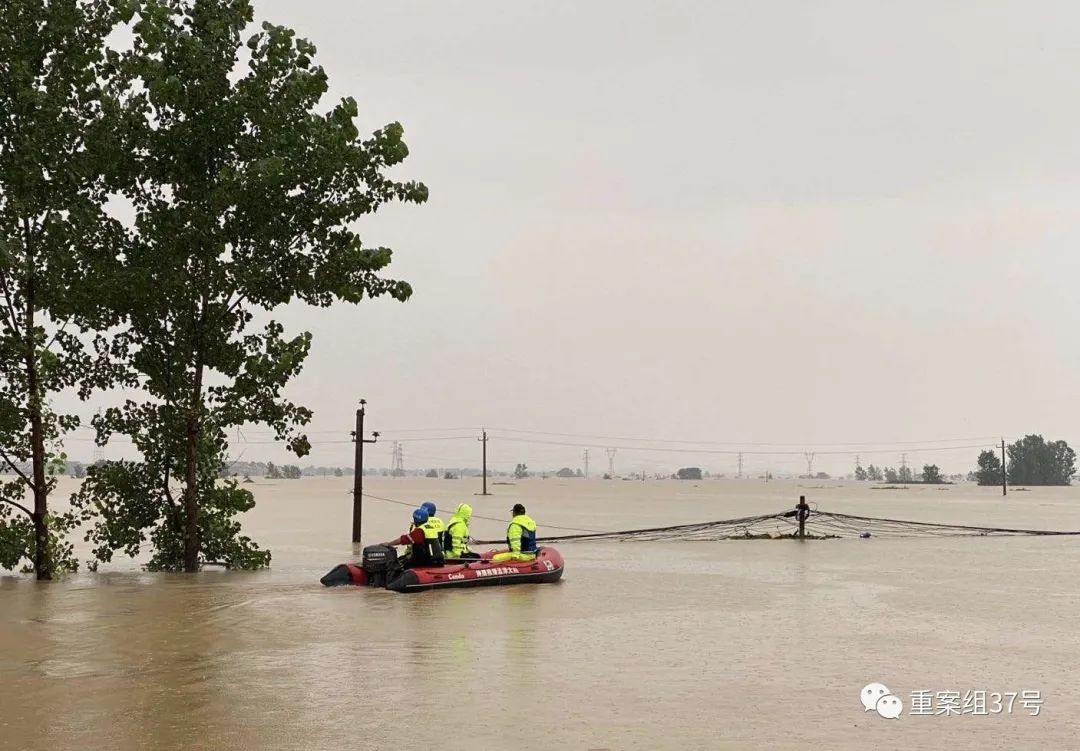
[[722, 645]]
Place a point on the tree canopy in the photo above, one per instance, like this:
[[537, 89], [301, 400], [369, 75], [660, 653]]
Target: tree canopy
[[989, 471], [931, 473], [1035, 461]]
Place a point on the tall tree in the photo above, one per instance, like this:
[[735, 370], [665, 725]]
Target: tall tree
[[989, 471], [58, 145], [1035, 461], [247, 202]]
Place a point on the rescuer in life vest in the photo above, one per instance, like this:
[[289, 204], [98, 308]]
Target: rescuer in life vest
[[435, 522], [520, 537], [456, 536], [423, 541]]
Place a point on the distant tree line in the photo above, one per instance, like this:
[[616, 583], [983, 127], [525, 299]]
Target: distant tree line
[[931, 474]]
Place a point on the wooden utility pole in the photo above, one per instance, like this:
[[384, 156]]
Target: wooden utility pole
[[802, 514], [1004, 480], [483, 440], [358, 473]]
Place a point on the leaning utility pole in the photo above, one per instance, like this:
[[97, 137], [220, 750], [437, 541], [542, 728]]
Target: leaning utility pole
[[483, 440], [358, 472]]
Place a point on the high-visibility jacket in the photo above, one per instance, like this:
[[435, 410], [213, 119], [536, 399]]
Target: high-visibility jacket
[[429, 552], [456, 537], [521, 535]]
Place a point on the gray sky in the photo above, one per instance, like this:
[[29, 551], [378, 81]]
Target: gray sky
[[801, 223]]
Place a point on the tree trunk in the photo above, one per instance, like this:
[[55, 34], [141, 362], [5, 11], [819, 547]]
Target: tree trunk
[[191, 473], [42, 565], [191, 497]]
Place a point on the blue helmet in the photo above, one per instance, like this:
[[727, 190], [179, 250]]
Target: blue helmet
[[428, 506], [420, 516]]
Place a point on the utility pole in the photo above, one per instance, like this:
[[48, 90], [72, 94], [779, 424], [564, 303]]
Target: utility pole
[[1004, 482], [483, 440], [611, 463], [358, 473], [586, 464]]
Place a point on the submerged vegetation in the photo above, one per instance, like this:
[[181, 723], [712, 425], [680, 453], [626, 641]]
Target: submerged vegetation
[[156, 205], [1032, 460]]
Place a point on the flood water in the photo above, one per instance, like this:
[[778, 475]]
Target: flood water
[[683, 645]]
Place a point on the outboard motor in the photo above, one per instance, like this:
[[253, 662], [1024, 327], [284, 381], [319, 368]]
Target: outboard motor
[[375, 567], [379, 561]]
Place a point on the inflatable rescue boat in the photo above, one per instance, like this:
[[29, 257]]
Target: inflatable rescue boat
[[379, 567]]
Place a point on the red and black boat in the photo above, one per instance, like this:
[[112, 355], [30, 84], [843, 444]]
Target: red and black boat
[[379, 567]]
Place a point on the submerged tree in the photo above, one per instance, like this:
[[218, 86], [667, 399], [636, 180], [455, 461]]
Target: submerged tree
[[989, 472], [246, 202], [59, 138], [1035, 461], [931, 474]]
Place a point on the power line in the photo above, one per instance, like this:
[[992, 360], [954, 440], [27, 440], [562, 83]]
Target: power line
[[478, 516], [747, 443], [731, 452]]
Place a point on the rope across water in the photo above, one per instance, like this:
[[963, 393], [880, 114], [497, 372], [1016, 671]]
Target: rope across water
[[820, 525]]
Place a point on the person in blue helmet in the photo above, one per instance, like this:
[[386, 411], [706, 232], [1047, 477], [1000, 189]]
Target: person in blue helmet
[[433, 521], [425, 547]]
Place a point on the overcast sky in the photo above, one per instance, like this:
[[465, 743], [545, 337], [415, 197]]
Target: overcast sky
[[754, 222]]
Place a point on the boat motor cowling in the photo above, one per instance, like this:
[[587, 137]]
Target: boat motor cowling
[[378, 561]]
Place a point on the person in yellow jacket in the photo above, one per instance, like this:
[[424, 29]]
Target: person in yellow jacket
[[433, 523], [520, 537], [456, 536]]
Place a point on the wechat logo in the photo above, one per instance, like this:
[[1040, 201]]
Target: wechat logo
[[878, 697]]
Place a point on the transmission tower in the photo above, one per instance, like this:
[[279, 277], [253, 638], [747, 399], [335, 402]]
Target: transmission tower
[[586, 464], [611, 463], [740, 465], [809, 462], [397, 468], [99, 454]]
